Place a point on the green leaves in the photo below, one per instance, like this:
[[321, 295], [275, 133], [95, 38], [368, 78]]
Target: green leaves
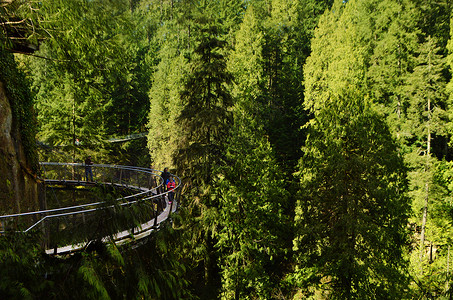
[[205, 118], [95, 83], [253, 228], [352, 211]]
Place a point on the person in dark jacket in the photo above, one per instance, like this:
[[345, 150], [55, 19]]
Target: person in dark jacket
[[88, 169], [165, 176]]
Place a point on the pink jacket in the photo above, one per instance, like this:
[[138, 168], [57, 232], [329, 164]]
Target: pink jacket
[[171, 185]]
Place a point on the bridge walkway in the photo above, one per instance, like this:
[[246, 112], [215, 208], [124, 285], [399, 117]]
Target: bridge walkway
[[146, 185]]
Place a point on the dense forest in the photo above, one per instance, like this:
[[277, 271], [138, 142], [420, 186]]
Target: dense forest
[[313, 137]]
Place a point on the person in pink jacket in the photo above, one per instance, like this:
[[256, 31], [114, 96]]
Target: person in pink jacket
[[171, 185]]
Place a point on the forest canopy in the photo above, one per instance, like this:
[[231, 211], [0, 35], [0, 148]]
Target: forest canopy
[[314, 139]]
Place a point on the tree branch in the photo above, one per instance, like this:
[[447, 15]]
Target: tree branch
[[12, 23], [39, 56]]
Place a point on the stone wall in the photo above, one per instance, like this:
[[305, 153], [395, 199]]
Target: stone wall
[[18, 184]]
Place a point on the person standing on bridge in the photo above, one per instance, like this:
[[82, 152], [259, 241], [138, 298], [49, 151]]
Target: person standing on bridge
[[171, 185], [88, 169], [165, 177]]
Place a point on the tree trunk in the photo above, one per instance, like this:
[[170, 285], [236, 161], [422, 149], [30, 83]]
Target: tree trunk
[[427, 169]]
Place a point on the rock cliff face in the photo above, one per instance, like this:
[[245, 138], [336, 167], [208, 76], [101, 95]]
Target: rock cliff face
[[18, 184]]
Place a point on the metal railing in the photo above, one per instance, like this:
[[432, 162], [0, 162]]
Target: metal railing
[[141, 198]]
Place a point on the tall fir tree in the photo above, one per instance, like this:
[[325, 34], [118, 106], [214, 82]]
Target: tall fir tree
[[205, 122], [353, 210], [165, 106], [253, 232], [393, 38], [426, 119]]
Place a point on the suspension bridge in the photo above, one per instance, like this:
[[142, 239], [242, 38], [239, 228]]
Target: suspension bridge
[[135, 196]]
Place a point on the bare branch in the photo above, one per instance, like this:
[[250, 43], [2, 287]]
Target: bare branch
[[39, 56], [4, 3], [13, 23]]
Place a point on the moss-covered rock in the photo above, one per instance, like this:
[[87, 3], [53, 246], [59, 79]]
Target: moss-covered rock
[[18, 158]]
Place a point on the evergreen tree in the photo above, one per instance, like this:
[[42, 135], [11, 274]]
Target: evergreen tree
[[21, 268], [352, 214], [204, 121], [434, 20], [205, 118], [393, 36], [437, 275], [164, 132], [246, 63], [426, 119], [174, 44], [94, 52], [288, 30], [253, 231]]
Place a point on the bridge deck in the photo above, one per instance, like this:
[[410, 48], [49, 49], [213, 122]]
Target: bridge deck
[[125, 236], [146, 183]]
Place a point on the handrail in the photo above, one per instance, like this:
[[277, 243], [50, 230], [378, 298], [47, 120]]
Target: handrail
[[87, 204], [150, 192]]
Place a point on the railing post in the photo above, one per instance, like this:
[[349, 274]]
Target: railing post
[[55, 248], [155, 211], [150, 186]]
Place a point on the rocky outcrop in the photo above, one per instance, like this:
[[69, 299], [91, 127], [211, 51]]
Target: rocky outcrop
[[18, 184]]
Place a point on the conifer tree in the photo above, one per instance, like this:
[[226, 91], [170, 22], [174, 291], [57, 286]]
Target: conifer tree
[[175, 44], [393, 39], [352, 214], [246, 63], [204, 121], [165, 106], [93, 54], [289, 29], [253, 230], [426, 119]]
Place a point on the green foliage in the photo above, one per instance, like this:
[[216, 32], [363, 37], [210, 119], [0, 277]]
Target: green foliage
[[21, 270], [394, 43], [353, 210], [253, 230], [434, 280], [435, 20], [21, 31], [253, 238], [426, 119], [204, 122], [366, 72], [288, 27], [352, 215], [205, 118], [95, 82], [165, 107]]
